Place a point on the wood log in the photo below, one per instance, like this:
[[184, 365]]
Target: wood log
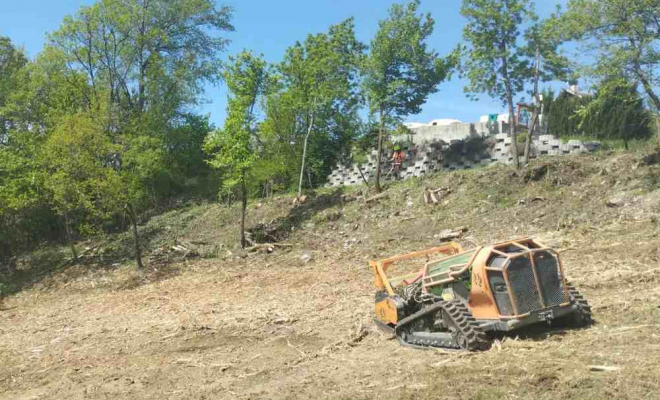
[[377, 197]]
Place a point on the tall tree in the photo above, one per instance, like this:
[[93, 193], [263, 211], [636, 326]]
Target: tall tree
[[235, 148], [76, 156], [11, 61], [562, 114], [146, 52], [145, 62], [542, 46], [320, 82], [38, 95], [494, 61], [400, 72], [616, 112], [623, 36]]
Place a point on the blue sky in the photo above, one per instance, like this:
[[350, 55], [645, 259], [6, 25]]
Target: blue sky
[[270, 26]]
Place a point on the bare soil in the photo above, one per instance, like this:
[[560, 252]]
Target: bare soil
[[259, 325]]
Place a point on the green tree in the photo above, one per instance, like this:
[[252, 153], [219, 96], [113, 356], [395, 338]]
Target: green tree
[[38, 95], [76, 156], [146, 52], [234, 149], [495, 62], [319, 79], [11, 61], [144, 63], [548, 64], [616, 112], [622, 36], [399, 72], [562, 114]]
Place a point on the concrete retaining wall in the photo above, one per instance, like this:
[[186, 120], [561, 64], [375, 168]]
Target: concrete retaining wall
[[433, 148]]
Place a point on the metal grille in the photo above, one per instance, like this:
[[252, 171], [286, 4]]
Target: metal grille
[[523, 285], [550, 278]]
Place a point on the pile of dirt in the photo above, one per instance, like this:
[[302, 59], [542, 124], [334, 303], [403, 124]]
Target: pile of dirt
[[295, 322]]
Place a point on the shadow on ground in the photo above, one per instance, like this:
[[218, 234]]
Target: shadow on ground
[[53, 261], [280, 229]]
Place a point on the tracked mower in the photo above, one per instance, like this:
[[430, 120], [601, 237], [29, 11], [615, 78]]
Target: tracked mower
[[460, 298]]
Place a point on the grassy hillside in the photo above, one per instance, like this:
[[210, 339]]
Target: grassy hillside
[[293, 319]]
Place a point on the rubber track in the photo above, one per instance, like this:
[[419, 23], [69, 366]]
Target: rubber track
[[581, 303], [459, 317]]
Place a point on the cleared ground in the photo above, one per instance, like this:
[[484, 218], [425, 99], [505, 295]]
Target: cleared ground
[[259, 325]]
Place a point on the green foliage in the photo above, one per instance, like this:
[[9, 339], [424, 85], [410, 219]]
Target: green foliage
[[623, 36], [234, 148], [496, 63], [11, 62], [562, 114], [400, 72], [314, 110], [99, 125], [616, 112]]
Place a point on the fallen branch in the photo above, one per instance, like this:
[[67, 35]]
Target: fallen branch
[[449, 234], [362, 175], [434, 196], [267, 246], [377, 197]]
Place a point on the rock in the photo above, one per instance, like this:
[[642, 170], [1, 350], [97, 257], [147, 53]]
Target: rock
[[306, 257], [615, 202]]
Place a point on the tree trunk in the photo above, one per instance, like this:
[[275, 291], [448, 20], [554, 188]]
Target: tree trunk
[[380, 151], [136, 238], [657, 128], [637, 69], [67, 230], [623, 130], [648, 88], [243, 210], [535, 114], [302, 167], [512, 124]]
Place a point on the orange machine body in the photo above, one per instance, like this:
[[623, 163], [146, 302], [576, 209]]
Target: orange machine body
[[471, 274]]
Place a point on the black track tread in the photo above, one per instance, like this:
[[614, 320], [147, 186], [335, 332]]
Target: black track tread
[[482, 340], [459, 316], [584, 309]]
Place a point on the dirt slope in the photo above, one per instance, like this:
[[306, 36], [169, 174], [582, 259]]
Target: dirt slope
[[264, 325]]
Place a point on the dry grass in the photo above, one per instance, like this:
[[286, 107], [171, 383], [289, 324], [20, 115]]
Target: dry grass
[[257, 325]]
